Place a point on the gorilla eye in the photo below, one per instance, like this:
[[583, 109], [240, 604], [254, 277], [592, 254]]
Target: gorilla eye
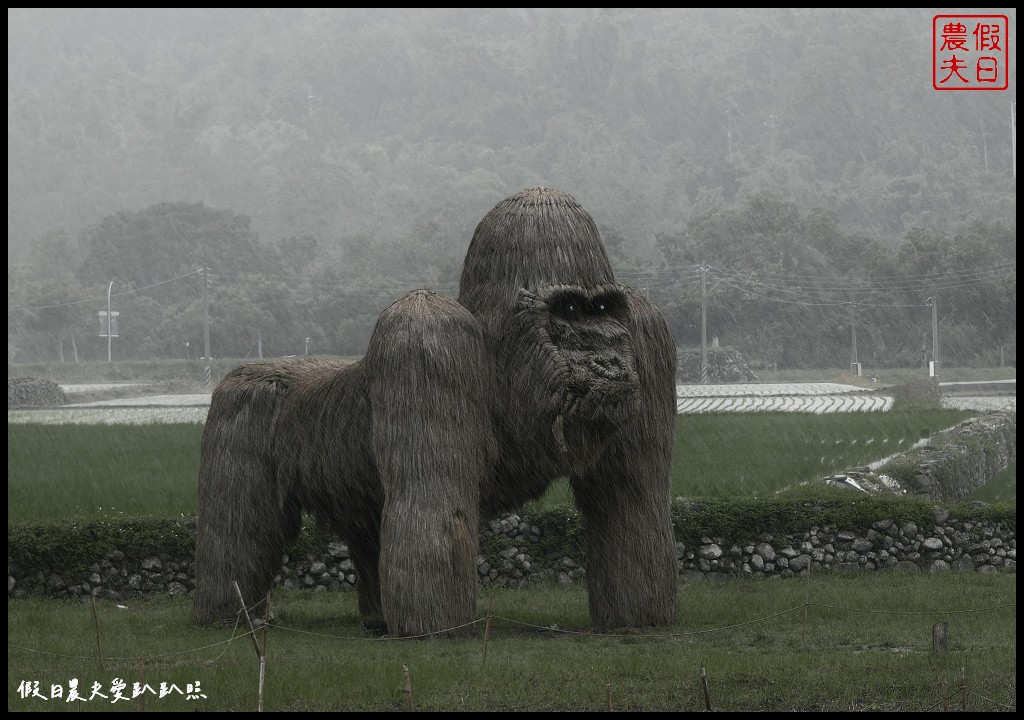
[[568, 306], [608, 304]]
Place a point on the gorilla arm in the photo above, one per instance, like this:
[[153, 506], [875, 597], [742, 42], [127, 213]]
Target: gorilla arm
[[429, 383], [625, 495]]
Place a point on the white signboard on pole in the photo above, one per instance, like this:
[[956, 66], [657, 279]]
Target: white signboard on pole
[[113, 324]]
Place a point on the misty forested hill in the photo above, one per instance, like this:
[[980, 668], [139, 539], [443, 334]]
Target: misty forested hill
[[351, 152]]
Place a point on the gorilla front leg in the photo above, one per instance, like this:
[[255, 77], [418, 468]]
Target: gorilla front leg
[[428, 569], [625, 497], [433, 448], [630, 547]]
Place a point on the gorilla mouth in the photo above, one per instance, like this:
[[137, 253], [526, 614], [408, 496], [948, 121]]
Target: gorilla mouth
[[597, 411], [609, 368]]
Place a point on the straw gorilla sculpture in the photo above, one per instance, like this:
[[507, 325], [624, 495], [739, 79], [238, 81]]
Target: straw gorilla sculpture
[[544, 368]]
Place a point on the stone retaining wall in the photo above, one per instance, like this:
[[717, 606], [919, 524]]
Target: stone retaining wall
[[962, 460], [949, 468], [949, 545]]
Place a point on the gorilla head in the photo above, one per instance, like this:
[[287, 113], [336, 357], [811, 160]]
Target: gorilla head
[[537, 277]]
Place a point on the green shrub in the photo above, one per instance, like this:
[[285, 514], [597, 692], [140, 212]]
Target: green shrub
[[75, 545]]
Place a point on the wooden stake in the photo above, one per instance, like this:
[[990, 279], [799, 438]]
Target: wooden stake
[[608, 696], [263, 657], [263, 674], [704, 686], [807, 601], [266, 624], [408, 688], [963, 689], [142, 684], [945, 695], [96, 624], [248, 621], [940, 638], [487, 628]]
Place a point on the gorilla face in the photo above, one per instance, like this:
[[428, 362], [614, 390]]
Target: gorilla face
[[587, 327], [574, 360]]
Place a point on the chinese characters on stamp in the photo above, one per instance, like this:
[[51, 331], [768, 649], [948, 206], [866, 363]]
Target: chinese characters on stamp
[[970, 52]]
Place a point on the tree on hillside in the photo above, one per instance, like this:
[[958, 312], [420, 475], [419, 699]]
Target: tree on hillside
[[46, 314], [160, 258], [169, 240]]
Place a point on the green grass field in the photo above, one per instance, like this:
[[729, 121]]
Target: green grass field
[[90, 471], [864, 644], [750, 454], [1000, 489]]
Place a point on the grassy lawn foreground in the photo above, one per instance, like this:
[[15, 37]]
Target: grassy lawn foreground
[[866, 645]]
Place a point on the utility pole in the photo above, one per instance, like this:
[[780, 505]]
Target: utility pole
[[208, 372], [110, 324], [854, 365], [703, 323], [934, 302]]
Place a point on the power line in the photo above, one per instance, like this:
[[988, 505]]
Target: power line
[[757, 286], [814, 290], [102, 299]]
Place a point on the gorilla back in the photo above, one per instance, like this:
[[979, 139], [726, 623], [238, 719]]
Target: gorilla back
[[545, 368]]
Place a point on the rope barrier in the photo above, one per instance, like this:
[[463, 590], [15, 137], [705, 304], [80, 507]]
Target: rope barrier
[[132, 657], [555, 628], [548, 628], [383, 637]]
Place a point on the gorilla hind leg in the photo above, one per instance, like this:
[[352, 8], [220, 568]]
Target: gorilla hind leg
[[244, 523], [364, 547]]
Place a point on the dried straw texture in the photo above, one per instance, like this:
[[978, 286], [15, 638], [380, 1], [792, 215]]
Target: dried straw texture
[[535, 238], [587, 390], [625, 495], [429, 393], [389, 453], [545, 368], [243, 525]]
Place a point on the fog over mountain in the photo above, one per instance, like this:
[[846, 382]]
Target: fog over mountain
[[308, 166]]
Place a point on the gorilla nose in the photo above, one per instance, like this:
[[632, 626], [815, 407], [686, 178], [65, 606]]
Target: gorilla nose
[[610, 367]]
